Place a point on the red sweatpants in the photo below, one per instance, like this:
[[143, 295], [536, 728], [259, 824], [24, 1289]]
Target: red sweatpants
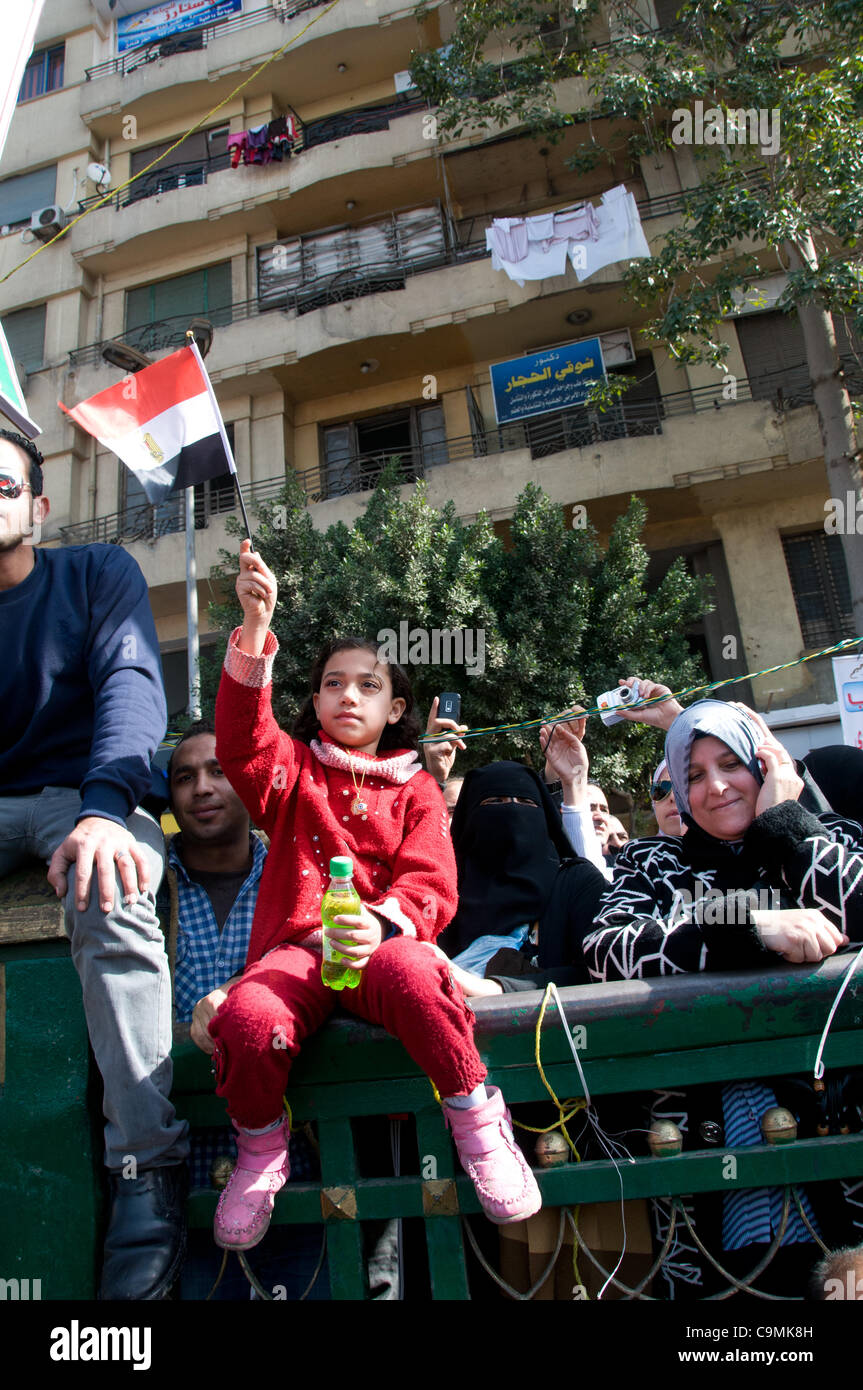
[[280, 1000]]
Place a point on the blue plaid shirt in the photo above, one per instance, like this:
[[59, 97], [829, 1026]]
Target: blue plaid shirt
[[206, 957]]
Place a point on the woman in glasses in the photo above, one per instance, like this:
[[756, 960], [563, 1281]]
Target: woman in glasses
[[664, 806]]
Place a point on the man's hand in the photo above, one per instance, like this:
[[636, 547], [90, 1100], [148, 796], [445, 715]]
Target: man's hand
[[204, 1010], [109, 846], [357, 937], [660, 716], [566, 756], [257, 591], [439, 757], [798, 933]]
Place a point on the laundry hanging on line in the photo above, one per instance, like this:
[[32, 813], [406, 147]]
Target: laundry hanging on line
[[536, 248], [263, 144]]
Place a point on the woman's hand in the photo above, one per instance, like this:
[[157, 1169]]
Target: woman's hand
[[439, 757], [257, 591], [472, 986], [661, 715], [781, 782], [798, 934], [357, 937], [566, 757]]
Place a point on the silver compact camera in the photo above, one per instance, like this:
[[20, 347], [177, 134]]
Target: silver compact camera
[[611, 700]]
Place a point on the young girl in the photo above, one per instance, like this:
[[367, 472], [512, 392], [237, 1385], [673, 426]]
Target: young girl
[[329, 792]]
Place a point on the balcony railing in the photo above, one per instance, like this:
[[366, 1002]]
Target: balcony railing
[[352, 283], [543, 435], [197, 38]]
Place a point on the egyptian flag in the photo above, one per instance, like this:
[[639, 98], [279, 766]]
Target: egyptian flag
[[163, 423]]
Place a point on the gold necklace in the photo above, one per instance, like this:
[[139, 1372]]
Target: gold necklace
[[358, 806]]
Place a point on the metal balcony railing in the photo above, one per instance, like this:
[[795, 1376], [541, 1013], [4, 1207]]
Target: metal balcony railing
[[197, 38], [351, 283], [543, 435]]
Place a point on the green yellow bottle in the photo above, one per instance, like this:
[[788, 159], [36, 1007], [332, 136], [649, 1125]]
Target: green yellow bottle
[[340, 900]]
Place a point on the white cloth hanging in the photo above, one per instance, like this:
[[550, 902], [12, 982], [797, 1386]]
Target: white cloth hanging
[[535, 265], [621, 236]]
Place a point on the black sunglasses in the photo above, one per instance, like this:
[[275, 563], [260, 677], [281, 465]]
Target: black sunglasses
[[660, 790], [11, 487]]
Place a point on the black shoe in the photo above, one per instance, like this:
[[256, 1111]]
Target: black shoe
[[146, 1241]]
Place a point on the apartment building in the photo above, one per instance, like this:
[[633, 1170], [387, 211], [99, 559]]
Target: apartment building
[[340, 257]]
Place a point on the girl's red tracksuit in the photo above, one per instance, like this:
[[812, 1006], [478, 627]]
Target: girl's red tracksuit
[[404, 871]]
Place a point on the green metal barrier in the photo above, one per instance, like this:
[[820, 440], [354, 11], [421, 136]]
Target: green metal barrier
[[636, 1036]]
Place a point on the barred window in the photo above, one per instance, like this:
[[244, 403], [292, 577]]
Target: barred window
[[819, 582]]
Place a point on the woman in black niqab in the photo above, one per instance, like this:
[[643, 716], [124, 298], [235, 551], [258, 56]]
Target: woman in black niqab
[[517, 868]]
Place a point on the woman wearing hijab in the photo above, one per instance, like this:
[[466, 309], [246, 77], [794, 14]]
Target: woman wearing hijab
[[756, 877], [520, 884]]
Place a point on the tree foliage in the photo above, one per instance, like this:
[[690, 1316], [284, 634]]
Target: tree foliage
[[561, 619], [802, 59]]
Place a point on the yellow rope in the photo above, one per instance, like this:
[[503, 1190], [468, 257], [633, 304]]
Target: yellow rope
[[94, 207]]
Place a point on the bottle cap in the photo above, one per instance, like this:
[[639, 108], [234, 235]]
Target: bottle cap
[[342, 866]]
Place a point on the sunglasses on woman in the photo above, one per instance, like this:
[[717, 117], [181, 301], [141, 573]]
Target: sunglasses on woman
[[11, 487], [660, 790]]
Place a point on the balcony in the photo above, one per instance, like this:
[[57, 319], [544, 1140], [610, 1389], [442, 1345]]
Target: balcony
[[555, 433], [342, 285], [173, 77]]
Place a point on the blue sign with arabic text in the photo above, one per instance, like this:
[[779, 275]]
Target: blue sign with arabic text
[[161, 21], [556, 379]]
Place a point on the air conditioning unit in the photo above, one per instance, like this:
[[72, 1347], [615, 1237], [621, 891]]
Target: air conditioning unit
[[45, 223]]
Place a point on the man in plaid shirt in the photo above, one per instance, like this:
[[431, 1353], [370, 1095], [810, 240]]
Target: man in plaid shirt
[[206, 906]]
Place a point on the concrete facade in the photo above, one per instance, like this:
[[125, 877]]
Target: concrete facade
[[724, 480]]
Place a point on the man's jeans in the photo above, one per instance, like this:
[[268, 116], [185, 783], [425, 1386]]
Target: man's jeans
[[120, 958]]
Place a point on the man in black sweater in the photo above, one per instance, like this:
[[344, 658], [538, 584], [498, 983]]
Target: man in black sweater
[[84, 710]]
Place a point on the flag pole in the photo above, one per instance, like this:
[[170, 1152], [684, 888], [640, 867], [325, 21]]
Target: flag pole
[[193, 643], [222, 431]]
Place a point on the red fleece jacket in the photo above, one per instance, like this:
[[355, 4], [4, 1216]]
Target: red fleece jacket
[[404, 866]]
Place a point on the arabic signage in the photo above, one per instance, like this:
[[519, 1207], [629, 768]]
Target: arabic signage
[[556, 379], [848, 675], [133, 30]]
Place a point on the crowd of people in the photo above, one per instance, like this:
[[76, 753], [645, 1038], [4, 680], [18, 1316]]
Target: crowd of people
[[504, 879]]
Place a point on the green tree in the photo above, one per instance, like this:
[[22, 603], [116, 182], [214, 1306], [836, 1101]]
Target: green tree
[[797, 207], [561, 619]]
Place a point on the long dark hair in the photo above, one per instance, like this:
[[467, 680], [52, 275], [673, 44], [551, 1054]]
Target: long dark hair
[[403, 734]]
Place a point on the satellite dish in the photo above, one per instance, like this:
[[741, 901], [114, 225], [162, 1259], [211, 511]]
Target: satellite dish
[[100, 175]]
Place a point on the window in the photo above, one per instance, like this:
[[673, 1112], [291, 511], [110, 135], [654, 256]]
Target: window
[[25, 334], [200, 154], [368, 258], [43, 73], [355, 453], [157, 315], [819, 582], [775, 355], [22, 195]]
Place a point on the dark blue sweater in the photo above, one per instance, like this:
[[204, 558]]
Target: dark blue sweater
[[81, 690]]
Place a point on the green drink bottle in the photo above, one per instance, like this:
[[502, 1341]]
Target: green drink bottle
[[340, 900]]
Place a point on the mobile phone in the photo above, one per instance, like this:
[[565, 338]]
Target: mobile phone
[[449, 706]]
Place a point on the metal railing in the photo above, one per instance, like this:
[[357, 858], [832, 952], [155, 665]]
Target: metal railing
[[193, 39], [543, 435], [352, 283]]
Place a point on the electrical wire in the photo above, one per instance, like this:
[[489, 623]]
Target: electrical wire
[[106, 198]]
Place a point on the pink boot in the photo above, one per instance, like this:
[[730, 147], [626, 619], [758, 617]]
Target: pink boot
[[246, 1205], [493, 1161]]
